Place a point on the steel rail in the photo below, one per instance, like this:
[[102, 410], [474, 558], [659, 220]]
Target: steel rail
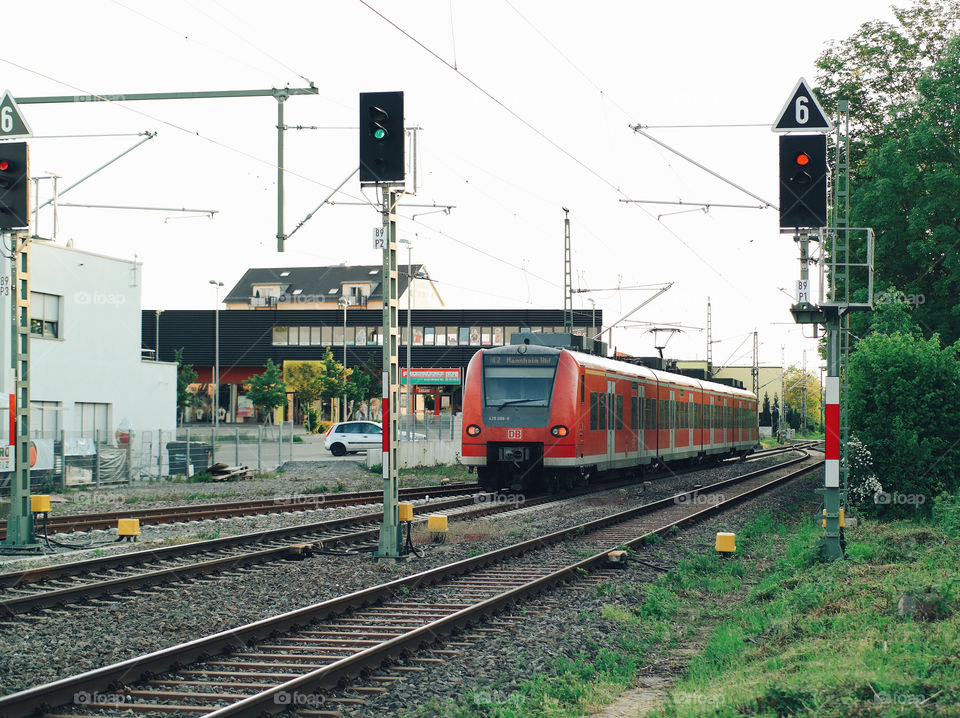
[[42, 698], [229, 509]]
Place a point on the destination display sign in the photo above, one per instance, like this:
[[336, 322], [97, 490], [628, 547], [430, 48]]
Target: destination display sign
[[520, 359]]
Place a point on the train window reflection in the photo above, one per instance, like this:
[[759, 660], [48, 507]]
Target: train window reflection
[[517, 386]]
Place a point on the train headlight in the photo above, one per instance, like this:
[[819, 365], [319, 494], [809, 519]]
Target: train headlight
[[473, 430], [559, 431]]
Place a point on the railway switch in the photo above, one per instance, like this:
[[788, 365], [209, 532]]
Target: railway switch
[[726, 543], [128, 529]]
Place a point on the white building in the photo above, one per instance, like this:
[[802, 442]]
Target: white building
[[87, 373]]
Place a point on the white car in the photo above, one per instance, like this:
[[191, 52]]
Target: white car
[[358, 436]]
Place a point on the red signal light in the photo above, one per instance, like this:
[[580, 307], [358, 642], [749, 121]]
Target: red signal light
[[4, 165], [803, 159]]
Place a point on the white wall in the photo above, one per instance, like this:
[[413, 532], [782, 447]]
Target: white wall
[[97, 355]]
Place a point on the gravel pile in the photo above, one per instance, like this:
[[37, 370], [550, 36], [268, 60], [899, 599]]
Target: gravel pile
[[51, 645]]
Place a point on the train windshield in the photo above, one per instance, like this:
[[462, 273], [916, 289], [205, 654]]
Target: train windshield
[[518, 380]]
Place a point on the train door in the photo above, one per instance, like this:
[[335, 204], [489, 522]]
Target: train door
[[688, 413], [611, 419]]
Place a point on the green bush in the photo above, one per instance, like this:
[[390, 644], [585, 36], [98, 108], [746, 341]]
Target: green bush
[[903, 406], [946, 513]]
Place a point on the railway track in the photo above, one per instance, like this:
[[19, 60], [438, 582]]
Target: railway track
[[284, 662], [110, 576], [231, 509]]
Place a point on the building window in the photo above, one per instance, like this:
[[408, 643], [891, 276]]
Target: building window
[[44, 418], [326, 336], [451, 336], [498, 336], [463, 336], [92, 419], [305, 336], [440, 337], [280, 336], [474, 336], [428, 336], [418, 336], [45, 315], [485, 336], [338, 336], [316, 336], [350, 335], [508, 332], [361, 338]]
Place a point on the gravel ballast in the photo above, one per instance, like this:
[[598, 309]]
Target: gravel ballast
[[54, 644]]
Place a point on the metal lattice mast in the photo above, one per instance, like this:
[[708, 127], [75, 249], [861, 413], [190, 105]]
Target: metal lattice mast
[[709, 341], [755, 369], [390, 545], [20, 522], [567, 278], [842, 226]]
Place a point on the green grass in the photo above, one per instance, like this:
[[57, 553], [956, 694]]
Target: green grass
[[778, 632]]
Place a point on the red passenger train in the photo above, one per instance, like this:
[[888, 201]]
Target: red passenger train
[[539, 417]]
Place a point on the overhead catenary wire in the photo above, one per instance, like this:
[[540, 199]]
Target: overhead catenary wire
[[529, 125]]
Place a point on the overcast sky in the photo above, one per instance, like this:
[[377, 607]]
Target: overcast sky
[[525, 108]]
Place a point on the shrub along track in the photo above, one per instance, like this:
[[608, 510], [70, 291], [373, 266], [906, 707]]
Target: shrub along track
[[274, 664]]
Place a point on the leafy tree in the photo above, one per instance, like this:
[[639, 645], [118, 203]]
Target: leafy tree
[[903, 83], [765, 417], [878, 68], [305, 379], [364, 382], [903, 406], [186, 375], [795, 380], [267, 391], [334, 381]]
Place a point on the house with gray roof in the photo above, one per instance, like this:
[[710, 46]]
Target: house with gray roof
[[323, 287]]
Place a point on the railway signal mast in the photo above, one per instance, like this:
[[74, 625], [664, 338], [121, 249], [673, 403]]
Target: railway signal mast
[[382, 165], [15, 216], [847, 269]]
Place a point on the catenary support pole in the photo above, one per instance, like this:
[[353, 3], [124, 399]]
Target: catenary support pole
[[390, 535]]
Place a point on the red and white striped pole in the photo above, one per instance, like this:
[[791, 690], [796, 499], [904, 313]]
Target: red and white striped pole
[[385, 413], [831, 414]]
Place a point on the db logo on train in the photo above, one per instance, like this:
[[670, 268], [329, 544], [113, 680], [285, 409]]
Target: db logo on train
[[514, 433]]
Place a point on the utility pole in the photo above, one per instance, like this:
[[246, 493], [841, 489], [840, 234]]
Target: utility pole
[[755, 370], [390, 545], [803, 395], [709, 341], [567, 280], [783, 393]]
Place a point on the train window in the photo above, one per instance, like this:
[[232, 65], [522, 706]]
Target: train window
[[602, 411], [519, 385], [635, 412], [619, 412], [593, 410]]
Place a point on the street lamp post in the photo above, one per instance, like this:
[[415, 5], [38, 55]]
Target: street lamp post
[[343, 303], [409, 333], [216, 355]]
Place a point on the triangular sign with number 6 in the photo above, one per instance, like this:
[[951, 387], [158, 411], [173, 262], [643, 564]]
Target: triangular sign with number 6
[[802, 113], [12, 123]]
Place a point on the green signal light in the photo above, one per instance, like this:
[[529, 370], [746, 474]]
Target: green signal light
[[379, 133]]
